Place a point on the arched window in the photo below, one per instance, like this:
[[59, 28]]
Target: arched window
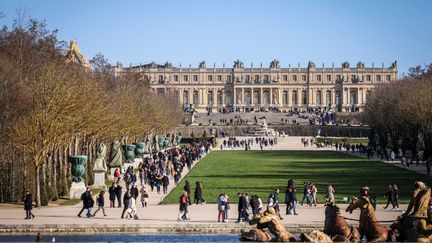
[[228, 97], [248, 97], [318, 98], [353, 97], [285, 98], [195, 98], [328, 97], [257, 98], [266, 100], [294, 97], [338, 98], [304, 98], [185, 98], [210, 98], [219, 97]]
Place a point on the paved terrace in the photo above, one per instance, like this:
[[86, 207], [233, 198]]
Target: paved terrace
[[163, 218]]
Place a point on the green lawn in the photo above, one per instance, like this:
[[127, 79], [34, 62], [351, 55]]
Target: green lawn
[[257, 172]]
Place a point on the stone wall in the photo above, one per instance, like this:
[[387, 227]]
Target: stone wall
[[291, 130]]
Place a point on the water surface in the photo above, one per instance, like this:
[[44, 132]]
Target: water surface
[[126, 238]]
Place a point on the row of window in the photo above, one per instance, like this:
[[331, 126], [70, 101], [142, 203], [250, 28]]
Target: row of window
[[294, 78], [353, 99]]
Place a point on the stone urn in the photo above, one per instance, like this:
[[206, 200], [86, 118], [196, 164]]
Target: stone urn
[[178, 139], [79, 163], [129, 152], [139, 149], [161, 142], [78, 186]]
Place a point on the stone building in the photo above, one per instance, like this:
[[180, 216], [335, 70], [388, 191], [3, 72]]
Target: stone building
[[285, 88]]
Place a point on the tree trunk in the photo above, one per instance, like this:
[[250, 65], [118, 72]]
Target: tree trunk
[[43, 189], [38, 196]]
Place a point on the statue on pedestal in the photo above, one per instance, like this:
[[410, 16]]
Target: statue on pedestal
[[115, 158], [100, 167], [100, 163]]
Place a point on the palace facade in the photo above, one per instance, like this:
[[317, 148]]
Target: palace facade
[[344, 87]]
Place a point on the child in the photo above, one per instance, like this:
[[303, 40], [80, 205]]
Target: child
[[144, 196], [100, 202]]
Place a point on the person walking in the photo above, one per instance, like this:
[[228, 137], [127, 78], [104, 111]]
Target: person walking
[[292, 197], [112, 195], [198, 193], [88, 203], [306, 192], [254, 203], [390, 195], [183, 208], [273, 201], [165, 183], [126, 200], [101, 203], [242, 208], [118, 193], [221, 207], [135, 192], [188, 190], [144, 196], [313, 192], [395, 197], [28, 205], [330, 193], [227, 207]]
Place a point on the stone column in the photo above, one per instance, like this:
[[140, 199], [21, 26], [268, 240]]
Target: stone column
[[299, 97], [261, 97], [223, 97], [243, 97], [289, 97], [324, 96], [235, 96], [271, 96], [190, 96], [215, 101], [180, 92], [252, 97], [205, 101], [280, 94], [364, 96]]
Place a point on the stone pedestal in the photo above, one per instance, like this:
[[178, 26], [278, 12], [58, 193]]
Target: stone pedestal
[[76, 190], [99, 179]]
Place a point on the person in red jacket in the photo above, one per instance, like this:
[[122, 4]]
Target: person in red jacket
[[184, 203]]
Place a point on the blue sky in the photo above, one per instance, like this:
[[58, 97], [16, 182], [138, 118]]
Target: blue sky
[[219, 32]]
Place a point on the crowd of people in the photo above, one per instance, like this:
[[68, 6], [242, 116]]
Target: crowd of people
[[152, 174], [233, 142]]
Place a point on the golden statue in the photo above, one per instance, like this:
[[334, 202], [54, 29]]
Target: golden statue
[[267, 220], [369, 225], [415, 224]]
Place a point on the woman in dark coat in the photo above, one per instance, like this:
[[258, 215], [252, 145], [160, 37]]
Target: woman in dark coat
[[198, 193], [188, 190], [112, 195], [28, 206]]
